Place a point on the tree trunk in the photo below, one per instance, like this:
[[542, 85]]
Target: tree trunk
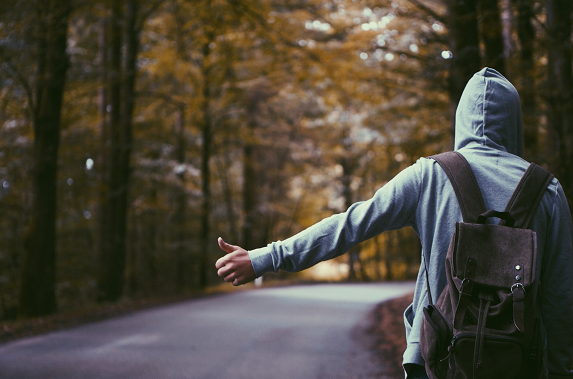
[[205, 169], [388, 253], [560, 93], [507, 30], [181, 201], [149, 221], [527, 90], [249, 191], [354, 253], [180, 214], [362, 263], [113, 254], [131, 37], [249, 173], [491, 31], [379, 248], [133, 258], [223, 166], [464, 44], [37, 293], [102, 159]]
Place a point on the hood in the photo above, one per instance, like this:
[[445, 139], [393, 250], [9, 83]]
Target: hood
[[489, 114]]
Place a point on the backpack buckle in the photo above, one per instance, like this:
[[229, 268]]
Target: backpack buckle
[[517, 285]]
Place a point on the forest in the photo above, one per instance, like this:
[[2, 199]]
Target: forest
[[133, 133]]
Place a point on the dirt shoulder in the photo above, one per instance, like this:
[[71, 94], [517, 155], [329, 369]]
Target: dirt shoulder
[[389, 335]]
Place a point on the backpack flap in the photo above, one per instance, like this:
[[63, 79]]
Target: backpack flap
[[501, 256], [497, 257]]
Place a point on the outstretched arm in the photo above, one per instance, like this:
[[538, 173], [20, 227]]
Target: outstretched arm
[[235, 267], [392, 207]]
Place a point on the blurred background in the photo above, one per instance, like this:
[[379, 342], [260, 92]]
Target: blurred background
[[134, 133]]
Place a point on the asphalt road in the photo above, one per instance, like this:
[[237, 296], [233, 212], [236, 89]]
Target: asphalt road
[[272, 333]]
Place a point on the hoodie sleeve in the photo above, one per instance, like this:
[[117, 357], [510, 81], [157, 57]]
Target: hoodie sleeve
[[392, 207], [557, 289]]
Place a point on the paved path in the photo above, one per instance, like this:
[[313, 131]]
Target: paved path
[[273, 333]]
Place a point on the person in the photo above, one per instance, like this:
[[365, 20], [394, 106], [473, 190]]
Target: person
[[488, 133]]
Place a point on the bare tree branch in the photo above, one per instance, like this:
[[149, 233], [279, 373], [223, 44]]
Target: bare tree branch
[[429, 11], [541, 23], [145, 15], [165, 97], [20, 79]]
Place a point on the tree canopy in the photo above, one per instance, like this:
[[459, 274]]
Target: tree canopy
[[134, 133]]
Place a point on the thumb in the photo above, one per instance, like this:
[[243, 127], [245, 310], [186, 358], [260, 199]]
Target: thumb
[[226, 247]]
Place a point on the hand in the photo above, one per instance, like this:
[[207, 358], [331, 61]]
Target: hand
[[236, 266]]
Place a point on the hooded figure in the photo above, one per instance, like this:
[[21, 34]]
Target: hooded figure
[[489, 136]]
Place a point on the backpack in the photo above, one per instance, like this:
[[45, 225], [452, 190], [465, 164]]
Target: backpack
[[483, 325]]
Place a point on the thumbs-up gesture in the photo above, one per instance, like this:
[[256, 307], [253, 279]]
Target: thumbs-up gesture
[[235, 267]]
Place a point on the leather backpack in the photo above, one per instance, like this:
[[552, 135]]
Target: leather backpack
[[483, 324]]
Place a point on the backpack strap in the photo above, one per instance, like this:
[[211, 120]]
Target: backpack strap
[[527, 195], [464, 182], [466, 189], [522, 206]]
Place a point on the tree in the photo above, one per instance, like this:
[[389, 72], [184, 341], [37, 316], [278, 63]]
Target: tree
[[253, 118], [464, 43], [206, 138], [491, 31], [37, 293], [526, 65], [121, 104], [560, 92]]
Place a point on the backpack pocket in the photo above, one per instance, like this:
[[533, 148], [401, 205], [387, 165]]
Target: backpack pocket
[[501, 357], [435, 338]]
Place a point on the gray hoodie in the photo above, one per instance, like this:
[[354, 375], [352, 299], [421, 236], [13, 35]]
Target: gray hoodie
[[489, 135]]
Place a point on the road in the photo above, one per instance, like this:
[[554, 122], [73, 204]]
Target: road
[[270, 333]]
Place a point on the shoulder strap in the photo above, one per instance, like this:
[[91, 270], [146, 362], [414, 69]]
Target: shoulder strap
[[466, 189], [527, 195], [464, 182]]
